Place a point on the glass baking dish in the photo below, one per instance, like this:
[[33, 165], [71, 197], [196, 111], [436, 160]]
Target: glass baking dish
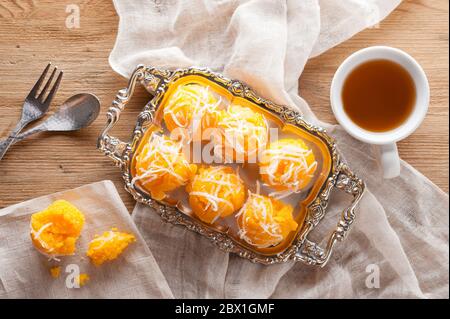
[[309, 205]]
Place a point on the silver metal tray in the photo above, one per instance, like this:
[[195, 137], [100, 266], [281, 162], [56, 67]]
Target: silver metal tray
[[339, 176]]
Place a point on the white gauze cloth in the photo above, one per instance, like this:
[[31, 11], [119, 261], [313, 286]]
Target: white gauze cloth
[[25, 273], [402, 224]]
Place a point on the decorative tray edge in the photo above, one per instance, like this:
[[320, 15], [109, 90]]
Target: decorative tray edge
[[302, 249]]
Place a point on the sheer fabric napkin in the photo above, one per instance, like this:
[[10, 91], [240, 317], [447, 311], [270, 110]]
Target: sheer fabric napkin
[[401, 233], [25, 273]]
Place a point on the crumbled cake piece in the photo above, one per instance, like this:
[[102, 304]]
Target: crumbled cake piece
[[108, 246], [82, 279], [55, 272], [55, 230]]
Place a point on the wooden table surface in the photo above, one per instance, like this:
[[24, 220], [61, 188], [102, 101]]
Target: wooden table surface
[[33, 32]]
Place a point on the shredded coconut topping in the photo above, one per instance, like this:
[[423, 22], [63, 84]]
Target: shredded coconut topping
[[164, 154], [259, 208], [191, 106], [37, 235], [295, 168], [216, 186], [244, 136]]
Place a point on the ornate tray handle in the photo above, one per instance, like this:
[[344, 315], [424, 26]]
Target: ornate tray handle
[[112, 146], [310, 252]]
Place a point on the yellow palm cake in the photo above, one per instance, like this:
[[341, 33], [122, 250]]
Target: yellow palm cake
[[287, 165], [215, 192], [108, 246], [264, 222], [55, 230], [162, 167], [192, 106], [244, 131]]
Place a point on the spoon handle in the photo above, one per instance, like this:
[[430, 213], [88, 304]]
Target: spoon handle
[[10, 139], [24, 135]]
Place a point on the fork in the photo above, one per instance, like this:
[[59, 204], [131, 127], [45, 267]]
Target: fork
[[35, 106]]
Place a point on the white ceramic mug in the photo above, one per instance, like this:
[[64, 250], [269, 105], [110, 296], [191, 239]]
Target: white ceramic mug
[[386, 141]]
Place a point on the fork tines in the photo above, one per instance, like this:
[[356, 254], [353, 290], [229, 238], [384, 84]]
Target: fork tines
[[41, 96]]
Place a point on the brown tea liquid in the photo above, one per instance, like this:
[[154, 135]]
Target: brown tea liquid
[[379, 95]]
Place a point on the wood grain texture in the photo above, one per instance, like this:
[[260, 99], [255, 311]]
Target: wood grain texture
[[33, 32]]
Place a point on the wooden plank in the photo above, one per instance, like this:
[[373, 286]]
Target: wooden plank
[[34, 32]]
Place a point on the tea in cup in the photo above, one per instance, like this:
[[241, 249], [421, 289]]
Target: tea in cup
[[380, 95]]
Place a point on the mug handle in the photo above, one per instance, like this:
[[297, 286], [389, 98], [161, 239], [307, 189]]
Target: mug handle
[[389, 160]]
